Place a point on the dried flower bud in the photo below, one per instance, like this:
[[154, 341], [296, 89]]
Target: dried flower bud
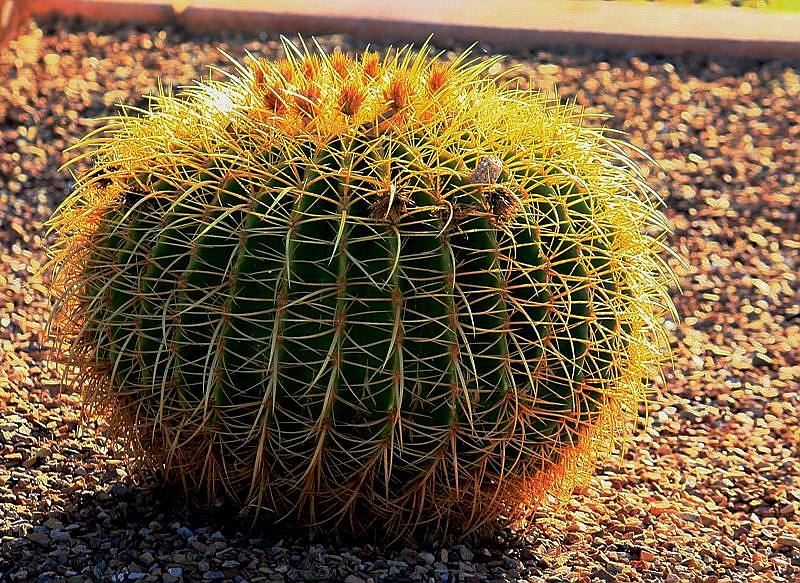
[[487, 171], [258, 75], [308, 99], [341, 63], [398, 93], [371, 64], [350, 99], [286, 70], [274, 99], [311, 67], [439, 75]]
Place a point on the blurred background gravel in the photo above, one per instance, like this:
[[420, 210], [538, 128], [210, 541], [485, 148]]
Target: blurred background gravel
[[709, 491]]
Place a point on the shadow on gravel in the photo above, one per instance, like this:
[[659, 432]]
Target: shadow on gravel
[[147, 532]]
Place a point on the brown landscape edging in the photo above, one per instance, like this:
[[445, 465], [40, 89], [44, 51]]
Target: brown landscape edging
[[503, 23]]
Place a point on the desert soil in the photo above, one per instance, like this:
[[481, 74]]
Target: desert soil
[[709, 491]]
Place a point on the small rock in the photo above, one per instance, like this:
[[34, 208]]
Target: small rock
[[60, 536], [788, 540], [200, 547], [760, 359], [217, 536], [54, 524], [40, 538], [465, 554]]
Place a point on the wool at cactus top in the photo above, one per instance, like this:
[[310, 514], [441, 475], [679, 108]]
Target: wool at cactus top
[[359, 292]]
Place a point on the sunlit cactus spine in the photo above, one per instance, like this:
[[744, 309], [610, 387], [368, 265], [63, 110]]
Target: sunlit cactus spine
[[360, 293]]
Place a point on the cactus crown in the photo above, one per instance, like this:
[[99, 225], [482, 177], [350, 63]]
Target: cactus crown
[[384, 291]]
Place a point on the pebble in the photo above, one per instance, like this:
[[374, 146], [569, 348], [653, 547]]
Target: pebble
[[40, 538], [787, 540], [60, 536], [465, 553], [185, 532]]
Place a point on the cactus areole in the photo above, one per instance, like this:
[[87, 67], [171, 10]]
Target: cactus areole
[[359, 293]]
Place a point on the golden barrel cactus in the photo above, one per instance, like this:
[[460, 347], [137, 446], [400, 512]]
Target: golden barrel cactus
[[363, 292]]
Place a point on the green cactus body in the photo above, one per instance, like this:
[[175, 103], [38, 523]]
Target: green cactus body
[[380, 295]]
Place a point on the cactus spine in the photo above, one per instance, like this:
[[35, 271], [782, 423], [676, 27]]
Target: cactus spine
[[374, 292]]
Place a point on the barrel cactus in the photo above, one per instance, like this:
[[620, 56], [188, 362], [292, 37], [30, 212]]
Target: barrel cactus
[[360, 292]]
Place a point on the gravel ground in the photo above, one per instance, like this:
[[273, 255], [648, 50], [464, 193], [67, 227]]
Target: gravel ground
[[709, 492]]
